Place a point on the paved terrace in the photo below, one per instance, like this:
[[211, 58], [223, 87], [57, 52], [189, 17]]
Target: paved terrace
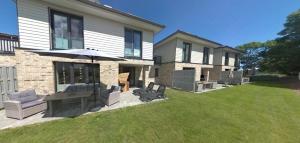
[[73, 109]]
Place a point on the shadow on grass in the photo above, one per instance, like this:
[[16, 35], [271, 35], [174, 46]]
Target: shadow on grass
[[280, 82]]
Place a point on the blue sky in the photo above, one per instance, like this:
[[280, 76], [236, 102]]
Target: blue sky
[[230, 22]]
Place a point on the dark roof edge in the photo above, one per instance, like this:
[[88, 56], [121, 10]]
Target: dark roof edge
[[189, 34], [231, 48], [121, 13]]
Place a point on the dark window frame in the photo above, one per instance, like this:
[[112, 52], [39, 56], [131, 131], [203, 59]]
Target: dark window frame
[[186, 58], [237, 60], [188, 68], [156, 72], [226, 59], [72, 72], [141, 43], [69, 17], [205, 56]]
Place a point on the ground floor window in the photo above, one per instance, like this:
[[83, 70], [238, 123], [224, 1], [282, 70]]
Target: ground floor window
[[188, 68], [156, 72], [75, 73]]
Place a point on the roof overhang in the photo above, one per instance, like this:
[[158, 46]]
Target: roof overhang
[[188, 37], [86, 6], [230, 49]]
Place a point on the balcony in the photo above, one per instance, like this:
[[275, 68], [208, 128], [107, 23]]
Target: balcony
[[7, 46]]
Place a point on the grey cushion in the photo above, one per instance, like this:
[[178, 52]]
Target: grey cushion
[[23, 96], [31, 103], [14, 96]]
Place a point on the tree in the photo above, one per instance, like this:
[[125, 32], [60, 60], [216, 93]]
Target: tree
[[280, 55], [253, 55]]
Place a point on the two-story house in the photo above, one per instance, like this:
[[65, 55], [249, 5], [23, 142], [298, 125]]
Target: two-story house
[[184, 51], [80, 24], [225, 59]]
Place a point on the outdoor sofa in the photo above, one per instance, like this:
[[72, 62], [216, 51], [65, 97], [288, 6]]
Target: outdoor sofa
[[23, 104], [111, 96]]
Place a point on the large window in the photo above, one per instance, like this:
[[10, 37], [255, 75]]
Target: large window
[[75, 73], [237, 61], [206, 55], [186, 52], [66, 31], [226, 59], [133, 44]]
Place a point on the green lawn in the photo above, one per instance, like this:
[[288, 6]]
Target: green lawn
[[249, 113]]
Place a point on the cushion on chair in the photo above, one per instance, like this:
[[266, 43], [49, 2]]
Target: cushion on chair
[[27, 96], [31, 103], [23, 96]]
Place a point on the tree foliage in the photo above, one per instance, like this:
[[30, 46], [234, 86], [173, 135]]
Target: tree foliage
[[279, 55]]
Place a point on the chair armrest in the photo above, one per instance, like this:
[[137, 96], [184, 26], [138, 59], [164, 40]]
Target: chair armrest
[[116, 93], [12, 105]]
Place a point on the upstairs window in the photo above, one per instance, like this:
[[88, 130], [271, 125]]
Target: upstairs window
[[186, 52], [206, 56], [237, 61], [226, 59], [133, 44], [66, 31]]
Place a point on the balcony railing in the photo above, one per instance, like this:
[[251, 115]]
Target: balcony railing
[[7, 46]]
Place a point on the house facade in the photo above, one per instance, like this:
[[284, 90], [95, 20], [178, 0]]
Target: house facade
[[184, 51], [225, 59], [81, 24]]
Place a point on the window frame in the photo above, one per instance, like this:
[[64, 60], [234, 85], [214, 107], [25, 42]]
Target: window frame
[[72, 73], [186, 58], [206, 51], [132, 44], [69, 16], [237, 60], [226, 62], [156, 72]]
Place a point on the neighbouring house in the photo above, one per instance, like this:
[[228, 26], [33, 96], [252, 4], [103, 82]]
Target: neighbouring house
[[185, 51], [79, 24], [225, 59]]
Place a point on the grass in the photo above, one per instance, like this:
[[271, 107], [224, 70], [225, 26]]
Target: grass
[[249, 113]]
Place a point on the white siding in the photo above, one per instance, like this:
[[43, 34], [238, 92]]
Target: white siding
[[33, 24], [166, 51], [196, 53], [147, 45], [99, 33], [178, 54], [218, 57]]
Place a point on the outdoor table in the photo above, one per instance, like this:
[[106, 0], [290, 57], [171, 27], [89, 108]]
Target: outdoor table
[[64, 96], [207, 85]]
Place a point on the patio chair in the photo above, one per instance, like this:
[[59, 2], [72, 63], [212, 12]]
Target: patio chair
[[138, 92], [123, 80], [111, 96], [158, 94], [24, 104]]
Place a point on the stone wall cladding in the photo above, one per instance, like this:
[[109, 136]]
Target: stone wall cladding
[[35, 71], [7, 60], [165, 74]]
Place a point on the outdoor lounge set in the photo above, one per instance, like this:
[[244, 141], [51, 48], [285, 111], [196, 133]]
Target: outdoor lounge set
[[26, 103]]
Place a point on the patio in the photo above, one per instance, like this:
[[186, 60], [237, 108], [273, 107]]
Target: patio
[[72, 110]]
